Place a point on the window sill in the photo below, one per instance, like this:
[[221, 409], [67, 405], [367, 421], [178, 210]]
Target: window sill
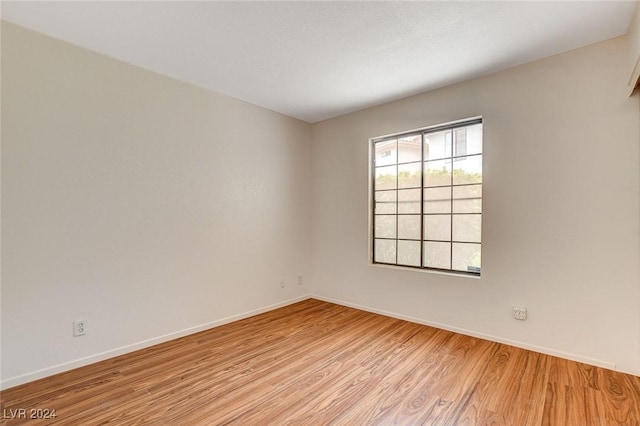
[[428, 271]]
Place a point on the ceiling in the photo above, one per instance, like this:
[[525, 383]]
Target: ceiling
[[316, 60]]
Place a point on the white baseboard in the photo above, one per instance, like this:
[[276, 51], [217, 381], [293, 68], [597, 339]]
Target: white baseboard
[[49, 371], [522, 345]]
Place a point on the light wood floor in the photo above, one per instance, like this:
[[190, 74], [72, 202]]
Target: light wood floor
[[316, 363]]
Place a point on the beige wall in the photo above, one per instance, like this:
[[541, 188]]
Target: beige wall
[[149, 207], [152, 208], [561, 208]]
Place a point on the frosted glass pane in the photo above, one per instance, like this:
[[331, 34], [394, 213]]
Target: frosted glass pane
[[409, 201], [409, 253], [385, 226], [385, 202], [467, 170], [437, 227], [409, 227], [437, 145], [385, 251], [437, 200], [467, 199], [466, 227], [437, 173], [386, 153], [409, 175], [437, 255], [466, 257], [410, 149], [386, 177]]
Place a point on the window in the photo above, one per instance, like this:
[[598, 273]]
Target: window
[[427, 198]]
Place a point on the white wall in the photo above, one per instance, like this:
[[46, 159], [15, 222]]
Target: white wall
[[561, 207], [146, 206]]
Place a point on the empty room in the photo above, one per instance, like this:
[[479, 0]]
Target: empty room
[[314, 213]]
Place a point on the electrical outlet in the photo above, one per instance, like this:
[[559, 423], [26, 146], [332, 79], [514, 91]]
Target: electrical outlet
[[282, 283], [79, 328], [519, 313], [299, 279]]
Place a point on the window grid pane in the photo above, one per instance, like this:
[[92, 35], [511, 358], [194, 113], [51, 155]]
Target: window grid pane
[[427, 206]]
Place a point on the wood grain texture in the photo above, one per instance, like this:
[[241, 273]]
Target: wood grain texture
[[316, 363]]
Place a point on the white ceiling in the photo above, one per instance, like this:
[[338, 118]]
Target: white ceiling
[[317, 60]]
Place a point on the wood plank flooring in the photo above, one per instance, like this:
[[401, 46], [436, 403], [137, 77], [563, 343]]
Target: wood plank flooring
[[316, 363]]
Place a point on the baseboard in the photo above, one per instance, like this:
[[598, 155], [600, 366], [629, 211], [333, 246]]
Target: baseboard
[[50, 371], [522, 345]]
